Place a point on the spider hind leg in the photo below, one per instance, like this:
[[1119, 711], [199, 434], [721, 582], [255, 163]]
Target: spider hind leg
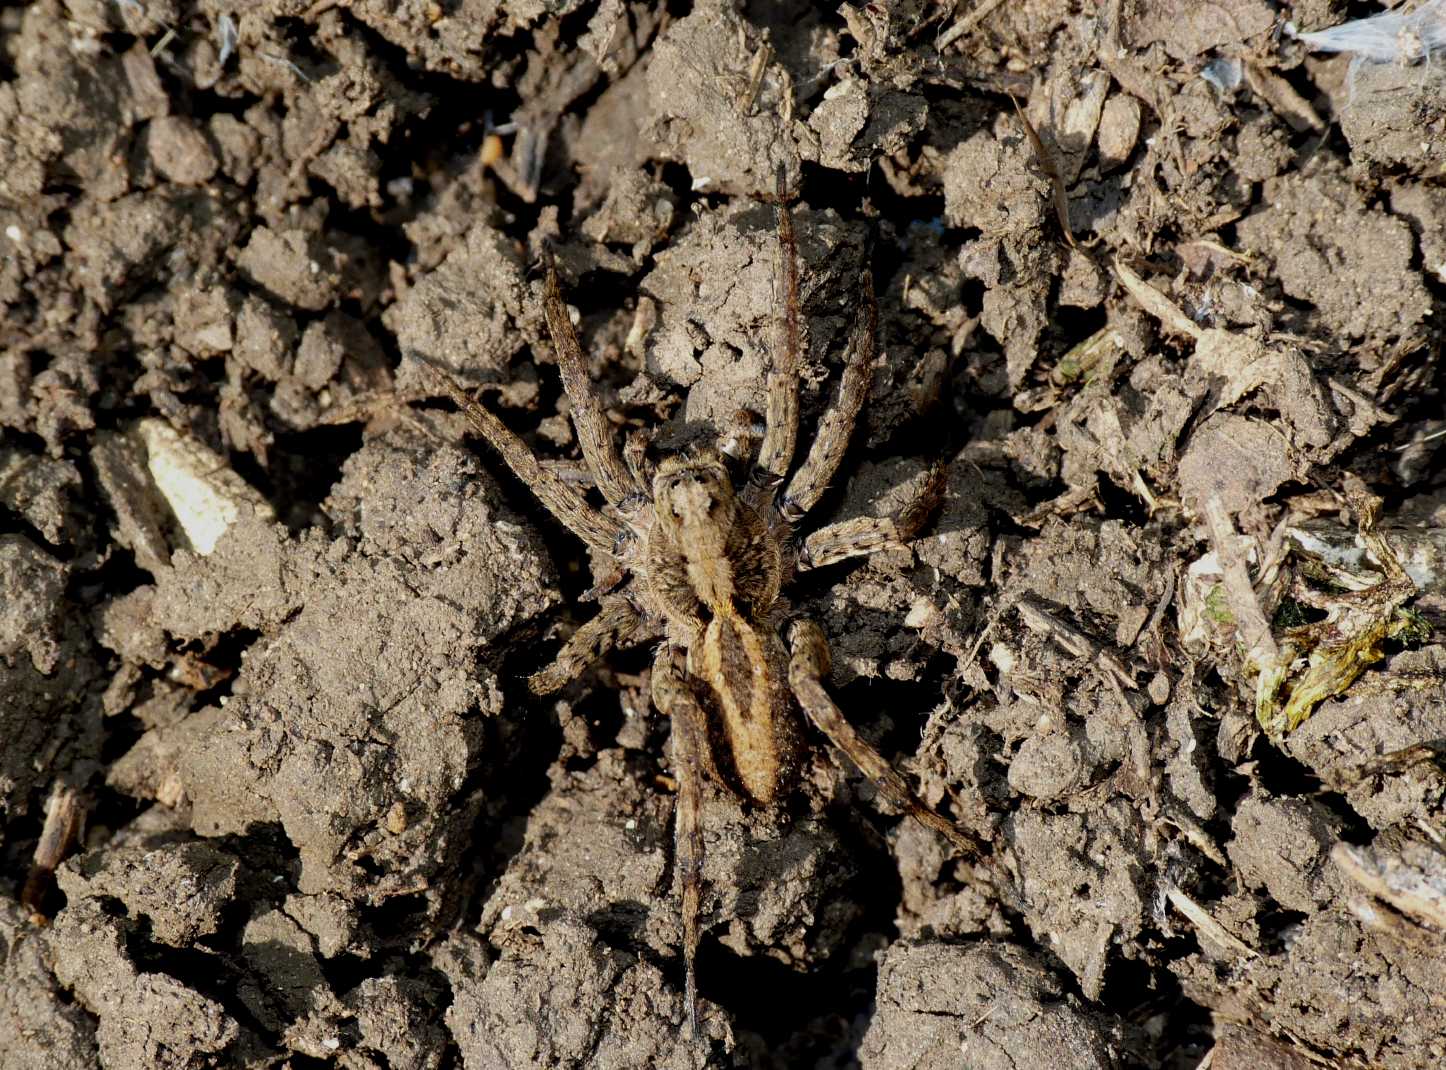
[[808, 666], [673, 695]]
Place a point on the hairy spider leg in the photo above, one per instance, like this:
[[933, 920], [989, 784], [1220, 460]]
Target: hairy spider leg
[[866, 535], [673, 695], [616, 625], [603, 534], [807, 668], [635, 456], [780, 435], [836, 427], [594, 432]]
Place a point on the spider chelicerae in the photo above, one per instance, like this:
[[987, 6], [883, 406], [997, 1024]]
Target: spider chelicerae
[[697, 562]]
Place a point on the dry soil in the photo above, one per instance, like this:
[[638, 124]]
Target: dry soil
[[267, 612]]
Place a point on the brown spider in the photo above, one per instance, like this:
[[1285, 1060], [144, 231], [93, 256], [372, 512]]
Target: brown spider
[[699, 563]]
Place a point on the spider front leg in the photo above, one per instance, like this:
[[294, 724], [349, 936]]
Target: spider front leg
[[602, 533], [617, 624], [780, 436], [635, 456], [837, 426], [673, 695], [869, 534], [594, 433], [807, 667]]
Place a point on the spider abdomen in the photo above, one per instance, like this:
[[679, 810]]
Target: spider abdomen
[[742, 664]]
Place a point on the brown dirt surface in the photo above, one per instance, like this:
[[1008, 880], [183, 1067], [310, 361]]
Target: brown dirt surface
[[1160, 286]]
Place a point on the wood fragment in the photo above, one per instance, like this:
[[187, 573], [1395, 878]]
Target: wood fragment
[[64, 816], [1207, 926]]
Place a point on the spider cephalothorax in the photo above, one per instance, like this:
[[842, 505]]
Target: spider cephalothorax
[[699, 562]]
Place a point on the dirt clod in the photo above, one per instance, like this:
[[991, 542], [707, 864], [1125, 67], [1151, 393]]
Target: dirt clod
[[940, 1003]]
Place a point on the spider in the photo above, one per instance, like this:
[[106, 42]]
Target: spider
[[699, 560]]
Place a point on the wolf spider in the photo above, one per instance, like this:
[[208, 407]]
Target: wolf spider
[[699, 561]]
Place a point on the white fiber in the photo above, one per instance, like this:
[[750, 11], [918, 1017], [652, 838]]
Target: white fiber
[[226, 34], [1390, 37], [1224, 74]]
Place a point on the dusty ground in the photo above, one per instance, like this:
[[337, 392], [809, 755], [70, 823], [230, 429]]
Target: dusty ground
[[326, 824]]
